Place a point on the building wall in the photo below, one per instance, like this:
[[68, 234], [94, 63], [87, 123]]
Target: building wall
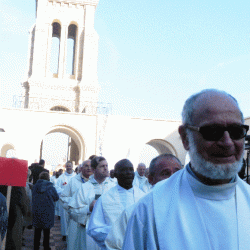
[[44, 89], [115, 137], [25, 130]]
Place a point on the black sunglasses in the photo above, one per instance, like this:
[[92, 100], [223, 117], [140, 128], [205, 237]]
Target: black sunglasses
[[216, 132]]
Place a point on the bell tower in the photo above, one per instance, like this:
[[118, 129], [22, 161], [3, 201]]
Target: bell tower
[[62, 61]]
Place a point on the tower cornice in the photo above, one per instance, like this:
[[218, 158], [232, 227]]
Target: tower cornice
[[81, 2], [62, 72]]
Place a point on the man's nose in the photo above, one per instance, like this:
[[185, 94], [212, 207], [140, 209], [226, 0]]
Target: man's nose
[[226, 139]]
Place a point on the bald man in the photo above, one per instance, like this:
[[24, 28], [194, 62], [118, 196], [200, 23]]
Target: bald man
[[162, 167], [205, 205], [140, 180]]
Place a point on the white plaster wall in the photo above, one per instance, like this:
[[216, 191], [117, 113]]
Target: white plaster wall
[[123, 137], [25, 129]]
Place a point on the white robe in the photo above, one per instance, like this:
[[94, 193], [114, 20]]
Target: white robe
[[113, 180], [115, 237], [108, 207], [142, 182], [79, 205], [76, 233], [61, 183], [57, 202], [183, 213], [53, 179]]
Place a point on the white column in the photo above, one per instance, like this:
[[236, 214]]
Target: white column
[[49, 43], [63, 51], [77, 50]]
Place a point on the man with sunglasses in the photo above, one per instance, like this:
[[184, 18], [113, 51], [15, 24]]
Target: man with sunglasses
[[205, 205]]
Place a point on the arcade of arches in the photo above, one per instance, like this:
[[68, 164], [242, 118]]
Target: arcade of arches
[[117, 138]]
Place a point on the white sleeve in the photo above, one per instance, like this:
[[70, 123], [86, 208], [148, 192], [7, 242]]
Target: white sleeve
[[98, 227], [58, 185], [133, 239], [66, 195], [115, 237], [141, 229], [79, 206]]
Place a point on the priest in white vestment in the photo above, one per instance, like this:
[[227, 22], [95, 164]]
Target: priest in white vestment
[[206, 205], [140, 180], [53, 178], [111, 204], [61, 184], [161, 168], [76, 233], [83, 201]]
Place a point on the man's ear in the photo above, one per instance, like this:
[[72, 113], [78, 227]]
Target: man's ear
[[184, 137], [150, 179]]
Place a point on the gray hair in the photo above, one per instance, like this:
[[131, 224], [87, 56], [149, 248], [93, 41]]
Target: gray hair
[[141, 164], [82, 164], [189, 107], [153, 163]]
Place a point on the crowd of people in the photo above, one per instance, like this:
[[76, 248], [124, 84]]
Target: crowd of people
[[203, 205]]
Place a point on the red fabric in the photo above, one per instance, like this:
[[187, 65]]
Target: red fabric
[[13, 172]]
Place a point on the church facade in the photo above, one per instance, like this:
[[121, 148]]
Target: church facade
[[60, 94]]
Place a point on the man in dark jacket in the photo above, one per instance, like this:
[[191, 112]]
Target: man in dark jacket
[[3, 217], [16, 212], [37, 169], [43, 197]]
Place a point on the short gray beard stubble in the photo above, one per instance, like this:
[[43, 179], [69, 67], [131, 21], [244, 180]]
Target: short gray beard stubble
[[209, 169]]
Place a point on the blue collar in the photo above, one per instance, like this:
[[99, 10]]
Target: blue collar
[[82, 179]]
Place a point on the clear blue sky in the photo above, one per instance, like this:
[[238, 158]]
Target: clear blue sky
[[152, 54]]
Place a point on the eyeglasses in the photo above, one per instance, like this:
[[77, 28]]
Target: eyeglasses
[[216, 132]]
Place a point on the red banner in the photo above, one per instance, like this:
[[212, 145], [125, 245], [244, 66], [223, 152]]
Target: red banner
[[13, 172]]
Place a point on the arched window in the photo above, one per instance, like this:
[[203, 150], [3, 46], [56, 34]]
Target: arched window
[[55, 47], [11, 153], [8, 150], [71, 44]]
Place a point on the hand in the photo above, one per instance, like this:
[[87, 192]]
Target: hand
[[91, 206]]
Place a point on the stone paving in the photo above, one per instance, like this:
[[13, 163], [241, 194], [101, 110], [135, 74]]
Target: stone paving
[[56, 242]]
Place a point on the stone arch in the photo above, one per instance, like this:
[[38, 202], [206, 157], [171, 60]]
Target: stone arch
[[152, 148], [73, 22], [5, 148], [162, 146], [56, 21], [74, 134], [60, 108]]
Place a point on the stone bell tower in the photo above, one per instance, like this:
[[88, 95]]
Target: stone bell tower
[[62, 62]]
